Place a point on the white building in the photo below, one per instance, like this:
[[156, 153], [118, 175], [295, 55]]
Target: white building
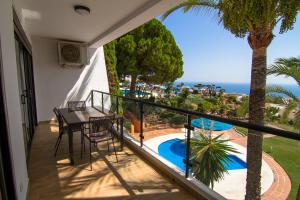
[[32, 80]]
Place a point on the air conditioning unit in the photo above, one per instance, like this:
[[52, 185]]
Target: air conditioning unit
[[72, 54]]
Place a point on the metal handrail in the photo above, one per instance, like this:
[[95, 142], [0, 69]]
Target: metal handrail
[[256, 127], [188, 125]]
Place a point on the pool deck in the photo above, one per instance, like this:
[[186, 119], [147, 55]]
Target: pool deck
[[156, 133], [281, 184]]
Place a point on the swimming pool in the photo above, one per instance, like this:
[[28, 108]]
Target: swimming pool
[[206, 124], [174, 151], [138, 93]]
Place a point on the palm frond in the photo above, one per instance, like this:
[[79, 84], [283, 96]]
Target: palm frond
[[289, 67], [192, 5], [288, 109], [209, 157], [271, 90], [243, 109]]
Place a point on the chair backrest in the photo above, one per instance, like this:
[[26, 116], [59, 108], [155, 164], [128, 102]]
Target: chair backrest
[[58, 117], [100, 124], [76, 105]]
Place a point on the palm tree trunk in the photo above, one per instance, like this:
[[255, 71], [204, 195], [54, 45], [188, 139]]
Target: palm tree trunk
[[298, 194], [132, 86], [256, 115], [113, 81]]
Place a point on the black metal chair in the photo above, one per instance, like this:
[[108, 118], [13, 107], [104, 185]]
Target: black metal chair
[[62, 128], [76, 105], [100, 130]]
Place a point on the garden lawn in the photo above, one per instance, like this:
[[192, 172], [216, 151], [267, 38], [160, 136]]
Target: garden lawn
[[286, 152]]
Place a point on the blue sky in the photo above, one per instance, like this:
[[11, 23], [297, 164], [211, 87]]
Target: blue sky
[[212, 54]]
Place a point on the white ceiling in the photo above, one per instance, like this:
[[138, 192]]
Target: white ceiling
[[108, 18]]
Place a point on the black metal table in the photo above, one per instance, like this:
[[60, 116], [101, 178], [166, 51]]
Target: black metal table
[[76, 119]]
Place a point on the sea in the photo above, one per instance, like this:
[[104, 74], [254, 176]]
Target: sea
[[241, 88]]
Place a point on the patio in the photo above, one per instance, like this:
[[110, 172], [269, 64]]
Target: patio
[[54, 178]]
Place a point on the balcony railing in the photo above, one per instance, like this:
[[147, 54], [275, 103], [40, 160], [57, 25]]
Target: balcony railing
[[143, 127]]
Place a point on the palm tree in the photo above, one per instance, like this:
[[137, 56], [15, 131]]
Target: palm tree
[[169, 89], [211, 90], [199, 86], [255, 19], [289, 67], [209, 157]]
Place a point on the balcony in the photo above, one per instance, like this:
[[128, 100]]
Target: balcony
[[144, 171]]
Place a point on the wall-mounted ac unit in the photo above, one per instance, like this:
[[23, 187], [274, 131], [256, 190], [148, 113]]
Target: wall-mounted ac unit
[[72, 54]]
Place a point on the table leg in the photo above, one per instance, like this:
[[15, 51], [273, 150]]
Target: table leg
[[70, 134]]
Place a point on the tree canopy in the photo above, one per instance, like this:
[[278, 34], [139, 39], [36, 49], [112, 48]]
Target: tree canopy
[[150, 54], [255, 18], [111, 62]]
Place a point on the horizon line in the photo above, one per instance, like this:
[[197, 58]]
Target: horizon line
[[232, 82]]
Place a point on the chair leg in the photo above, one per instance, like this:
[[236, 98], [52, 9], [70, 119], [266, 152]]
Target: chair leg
[[107, 146], [81, 147], [115, 149], [58, 142], [83, 144], [91, 157]]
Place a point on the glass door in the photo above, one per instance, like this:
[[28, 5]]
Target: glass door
[[26, 92], [22, 93]]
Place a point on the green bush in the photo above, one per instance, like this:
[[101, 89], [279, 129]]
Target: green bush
[[188, 104], [166, 115], [177, 119], [127, 125]]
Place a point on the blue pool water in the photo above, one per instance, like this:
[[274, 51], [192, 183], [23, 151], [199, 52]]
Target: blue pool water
[[174, 151], [217, 126], [138, 93]]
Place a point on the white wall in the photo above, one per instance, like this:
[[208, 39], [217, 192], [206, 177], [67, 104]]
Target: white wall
[[12, 99], [55, 85]]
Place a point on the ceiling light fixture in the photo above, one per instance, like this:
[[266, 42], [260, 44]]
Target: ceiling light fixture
[[82, 10]]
